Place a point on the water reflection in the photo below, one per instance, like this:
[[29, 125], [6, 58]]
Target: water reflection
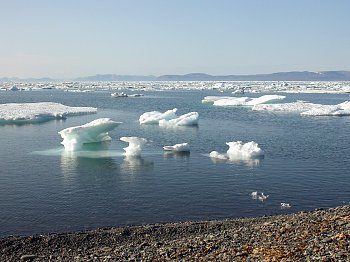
[[250, 162], [92, 159], [134, 164], [177, 155]]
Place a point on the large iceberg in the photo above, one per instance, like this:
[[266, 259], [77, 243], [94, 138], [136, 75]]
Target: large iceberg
[[23, 113], [93, 132], [246, 101], [169, 118], [308, 109], [239, 150], [135, 145]]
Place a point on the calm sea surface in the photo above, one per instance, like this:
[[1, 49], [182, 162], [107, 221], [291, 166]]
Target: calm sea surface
[[45, 189]]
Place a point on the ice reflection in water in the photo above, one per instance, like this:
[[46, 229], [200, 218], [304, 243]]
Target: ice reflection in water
[[136, 164]]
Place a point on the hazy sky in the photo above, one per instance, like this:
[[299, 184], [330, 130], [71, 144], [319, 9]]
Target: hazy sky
[[71, 38]]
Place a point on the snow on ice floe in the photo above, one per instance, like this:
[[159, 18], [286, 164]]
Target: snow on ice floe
[[169, 118], [93, 132], [239, 151], [154, 117], [189, 119], [21, 113], [247, 101], [308, 109], [135, 145], [183, 147]]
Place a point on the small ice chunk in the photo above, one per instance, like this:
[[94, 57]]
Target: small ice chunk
[[240, 150], [154, 117], [135, 145], [216, 154], [93, 132], [254, 194], [285, 205], [183, 147], [263, 197], [189, 119]]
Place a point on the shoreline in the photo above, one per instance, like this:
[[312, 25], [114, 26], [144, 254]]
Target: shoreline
[[313, 235]]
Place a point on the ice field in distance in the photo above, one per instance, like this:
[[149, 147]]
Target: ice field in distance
[[236, 87]]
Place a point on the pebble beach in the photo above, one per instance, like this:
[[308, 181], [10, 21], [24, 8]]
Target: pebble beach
[[320, 235]]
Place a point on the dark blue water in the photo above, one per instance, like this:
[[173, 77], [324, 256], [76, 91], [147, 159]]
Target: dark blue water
[[44, 189]]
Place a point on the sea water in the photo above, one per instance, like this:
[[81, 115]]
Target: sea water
[[44, 188]]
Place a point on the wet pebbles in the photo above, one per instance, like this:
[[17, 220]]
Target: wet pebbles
[[321, 235]]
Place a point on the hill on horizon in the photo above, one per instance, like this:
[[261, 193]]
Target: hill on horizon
[[279, 76]]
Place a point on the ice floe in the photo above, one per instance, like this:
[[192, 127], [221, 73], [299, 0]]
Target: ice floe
[[154, 117], [169, 118], [183, 147], [247, 101], [93, 132], [239, 150], [189, 119], [135, 145], [236, 87], [22, 113], [308, 109]]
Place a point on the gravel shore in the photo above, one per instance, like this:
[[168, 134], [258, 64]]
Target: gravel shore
[[320, 235]]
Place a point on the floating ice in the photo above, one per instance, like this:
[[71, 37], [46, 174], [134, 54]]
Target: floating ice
[[93, 132], [261, 197], [308, 109], [212, 99], [232, 101], [254, 194], [299, 106], [239, 151], [285, 205], [154, 117], [189, 119], [217, 155], [342, 109], [246, 101], [22, 113], [169, 118], [135, 145], [183, 147]]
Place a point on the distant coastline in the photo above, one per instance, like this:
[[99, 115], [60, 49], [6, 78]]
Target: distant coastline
[[279, 76]]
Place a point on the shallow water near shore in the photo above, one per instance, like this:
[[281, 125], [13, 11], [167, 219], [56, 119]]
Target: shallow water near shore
[[43, 188]]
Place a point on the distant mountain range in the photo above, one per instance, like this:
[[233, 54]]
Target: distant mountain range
[[280, 76]]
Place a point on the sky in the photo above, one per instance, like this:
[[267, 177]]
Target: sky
[[74, 38]]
